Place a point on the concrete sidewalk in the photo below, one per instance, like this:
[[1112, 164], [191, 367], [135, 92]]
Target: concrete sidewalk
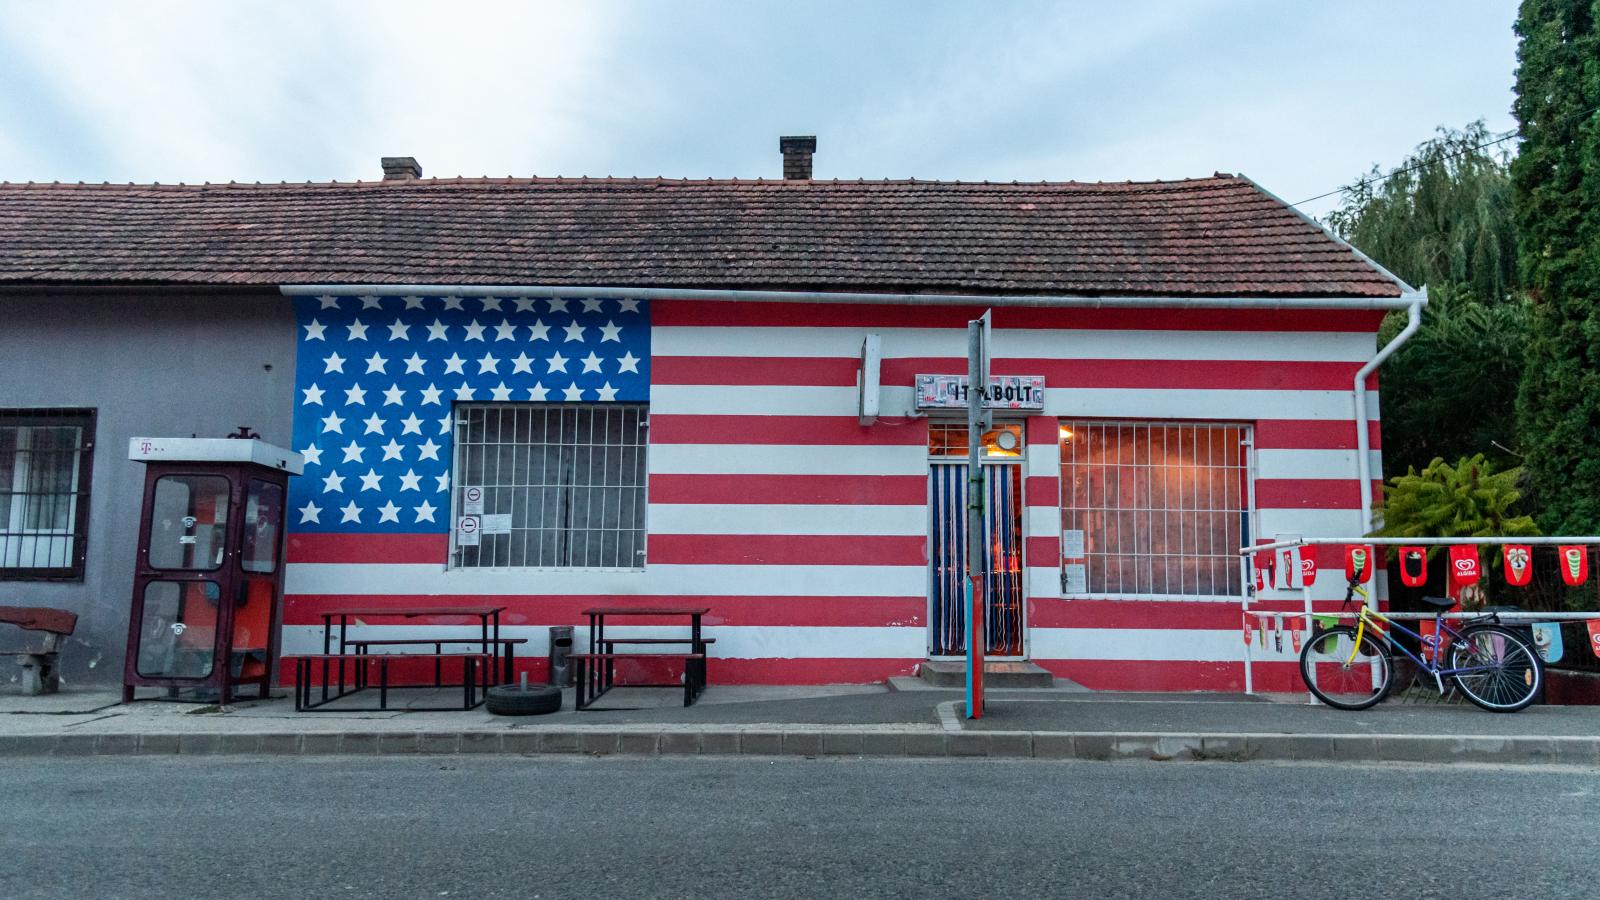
[[902, 719]]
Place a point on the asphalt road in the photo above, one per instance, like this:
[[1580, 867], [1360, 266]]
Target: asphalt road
[[538, 827]]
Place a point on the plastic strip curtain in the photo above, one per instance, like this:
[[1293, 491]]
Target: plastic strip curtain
[[1002, 556]]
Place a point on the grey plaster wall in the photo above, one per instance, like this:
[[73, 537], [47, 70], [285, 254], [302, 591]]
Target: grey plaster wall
[[167, 362]]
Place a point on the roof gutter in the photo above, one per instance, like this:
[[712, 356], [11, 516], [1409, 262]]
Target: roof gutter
[[1363, 442], [980, 300]]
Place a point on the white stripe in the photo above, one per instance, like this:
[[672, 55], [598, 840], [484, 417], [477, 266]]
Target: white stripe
[[1138, 644], [691, 580], [1309, 522], [1018, 343], [779, 459], [1311, 463], [753, 518], [733, 641]]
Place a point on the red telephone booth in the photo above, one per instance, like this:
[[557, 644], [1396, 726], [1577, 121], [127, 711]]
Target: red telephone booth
[[208, 578]]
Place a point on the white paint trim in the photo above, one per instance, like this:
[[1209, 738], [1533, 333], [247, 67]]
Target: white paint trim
[[795, 519], [786, 459], [733, 641], [690, 580]]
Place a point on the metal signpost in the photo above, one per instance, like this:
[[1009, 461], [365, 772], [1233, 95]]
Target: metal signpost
[[977, 381]]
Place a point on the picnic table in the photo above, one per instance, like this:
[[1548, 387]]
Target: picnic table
[[596, 670]]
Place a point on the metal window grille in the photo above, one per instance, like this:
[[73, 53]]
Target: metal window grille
[[1159, 509], [571, 478], [45, 457]]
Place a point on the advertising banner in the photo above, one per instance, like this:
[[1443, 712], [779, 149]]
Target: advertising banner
[[1413, 566], [1519, 564]]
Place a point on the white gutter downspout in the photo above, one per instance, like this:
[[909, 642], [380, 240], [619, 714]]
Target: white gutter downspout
[[1363, 441]]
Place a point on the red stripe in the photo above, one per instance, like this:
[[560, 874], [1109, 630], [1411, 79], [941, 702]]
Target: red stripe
[[1310, 493], [790, 430], [1044, 552], [1043, 430], [788, 550], [803, 370], [1312, 434], [665, 313], [843, 490], [306, 547], [542, 610], [1157, 615], [1042, 490], [1175, 675]]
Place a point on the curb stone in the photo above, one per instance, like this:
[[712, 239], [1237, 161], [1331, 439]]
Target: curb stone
[[849, 743]]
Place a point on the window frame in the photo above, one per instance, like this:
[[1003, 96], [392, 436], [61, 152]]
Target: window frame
[[86, 420], [1247, 510]]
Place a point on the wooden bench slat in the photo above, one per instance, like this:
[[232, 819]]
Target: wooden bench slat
[[39, 618]]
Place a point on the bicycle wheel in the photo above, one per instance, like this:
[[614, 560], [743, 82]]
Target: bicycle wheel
[[1343, 675], [1507, 672]]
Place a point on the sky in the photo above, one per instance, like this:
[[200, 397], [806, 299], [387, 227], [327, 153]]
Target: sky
[[1301, 96]]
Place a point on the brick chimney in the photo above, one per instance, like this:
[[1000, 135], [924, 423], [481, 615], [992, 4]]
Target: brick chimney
[[797, 150], [401, 168]]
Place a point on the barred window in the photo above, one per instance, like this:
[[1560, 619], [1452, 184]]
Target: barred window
[[1151, 510], [560, 485], [45, 460]]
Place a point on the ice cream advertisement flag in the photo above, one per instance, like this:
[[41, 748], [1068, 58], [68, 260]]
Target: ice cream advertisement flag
[[1574, 564], [1519, 564]]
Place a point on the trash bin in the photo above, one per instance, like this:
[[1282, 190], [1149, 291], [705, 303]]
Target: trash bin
[[560, 649]]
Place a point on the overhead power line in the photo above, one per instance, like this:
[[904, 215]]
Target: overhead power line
[[1381, 178]]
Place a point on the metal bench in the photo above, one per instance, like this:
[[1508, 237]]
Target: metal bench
[[477, 670], [596, 674], [41, 673]]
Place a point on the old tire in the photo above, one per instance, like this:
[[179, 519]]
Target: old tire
[[512, 700]]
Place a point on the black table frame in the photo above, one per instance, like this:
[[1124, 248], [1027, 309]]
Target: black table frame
[[489, 641], [593, 681]]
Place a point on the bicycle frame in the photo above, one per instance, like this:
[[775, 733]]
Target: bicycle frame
[[1377, 621]]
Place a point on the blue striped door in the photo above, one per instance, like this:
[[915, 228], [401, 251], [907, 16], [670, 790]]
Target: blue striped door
[[1003, 573]]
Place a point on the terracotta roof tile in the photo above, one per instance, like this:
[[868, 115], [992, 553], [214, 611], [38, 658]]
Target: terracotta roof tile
[[1219, 236]]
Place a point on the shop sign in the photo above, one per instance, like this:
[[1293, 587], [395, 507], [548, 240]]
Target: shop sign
[[1005, 392]]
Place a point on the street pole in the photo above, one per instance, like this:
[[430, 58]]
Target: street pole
[[977, 387]]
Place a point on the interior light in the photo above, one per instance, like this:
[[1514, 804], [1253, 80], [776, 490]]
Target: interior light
[[1066, 434]]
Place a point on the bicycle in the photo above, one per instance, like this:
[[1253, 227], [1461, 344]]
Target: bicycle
[[1348, 668]]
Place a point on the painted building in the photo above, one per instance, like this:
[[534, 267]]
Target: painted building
[[548, 391]]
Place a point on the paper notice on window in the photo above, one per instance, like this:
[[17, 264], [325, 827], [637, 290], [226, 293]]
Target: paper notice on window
[[497, 524], [1072, 543], [1075, 578], [467, 528], [472, 501]]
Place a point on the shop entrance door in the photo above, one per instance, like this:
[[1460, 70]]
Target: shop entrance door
[[1003, 572]]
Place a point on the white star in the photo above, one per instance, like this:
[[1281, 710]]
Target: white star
[[392, 450], [393, 395], [505, 331], [425, 511], [628, 306], [414, 364], [334, 363], [607, 393], [411, 425], [328, 301], [313, 455], [430, 394], [332, 482], [591, 363], [591, 304], [399, 331], [538, 392], [628, 363], [313, 395], [488, 365], [350, 513], [353, 451], [491, 303], [538, 331], [388, 513], [444, 482], [408, 481], [453, 364], [371, 481], [610, 331], [464, 392], [474, 331], [310, 513], [374, 425], [452, 303], [427, 450], [332, 422], [314, 330], [355, 395], [436, 330], [573, 392], [375, 363], [368, 301], [444, 424], [557, 304], [525, 304], [558, 363], [523, 363], [413, 301], [501, 393], [574, 333], [358, 330]]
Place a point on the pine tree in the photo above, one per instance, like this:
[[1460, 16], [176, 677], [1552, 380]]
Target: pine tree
[[1556, 182]]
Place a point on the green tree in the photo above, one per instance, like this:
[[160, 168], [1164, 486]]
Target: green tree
[[1468, 499], [1556, 178], [1443, 218]]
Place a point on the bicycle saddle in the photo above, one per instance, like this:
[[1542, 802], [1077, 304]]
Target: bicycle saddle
[[1439, 603]]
